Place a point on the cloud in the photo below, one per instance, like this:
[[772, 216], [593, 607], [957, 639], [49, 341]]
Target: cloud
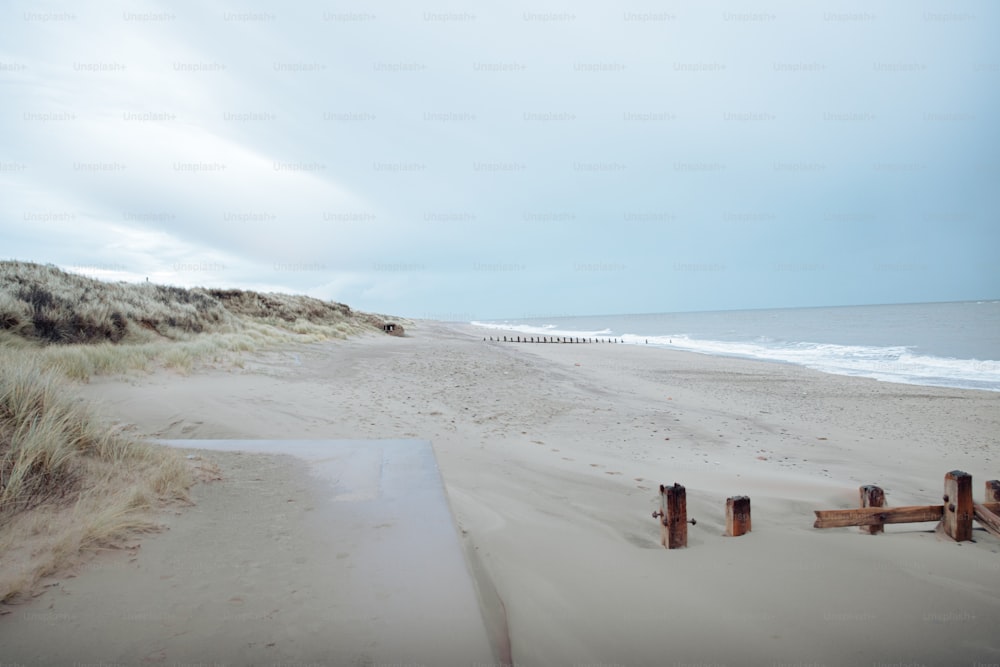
[[387, 151]]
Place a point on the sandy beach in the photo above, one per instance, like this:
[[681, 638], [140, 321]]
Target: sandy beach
[[551, 456]]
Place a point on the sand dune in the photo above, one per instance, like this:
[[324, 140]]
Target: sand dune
[[551, 455]]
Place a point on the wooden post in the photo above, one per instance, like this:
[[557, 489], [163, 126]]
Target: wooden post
[[737, 516], [673, 519], [872, 496], [664, 532], [989, 520], [958, 510]]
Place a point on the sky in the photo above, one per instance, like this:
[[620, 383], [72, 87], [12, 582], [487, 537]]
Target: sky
[[469, 161]]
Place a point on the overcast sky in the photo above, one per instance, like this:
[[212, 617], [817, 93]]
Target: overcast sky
[[505, 160]]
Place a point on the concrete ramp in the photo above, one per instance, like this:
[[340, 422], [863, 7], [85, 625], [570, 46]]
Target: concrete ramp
[[410, 579], [346, 554]]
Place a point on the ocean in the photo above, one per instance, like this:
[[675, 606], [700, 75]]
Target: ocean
[[939, 344]]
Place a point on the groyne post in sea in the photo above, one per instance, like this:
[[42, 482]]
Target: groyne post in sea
[[547, 339], [552, 339]]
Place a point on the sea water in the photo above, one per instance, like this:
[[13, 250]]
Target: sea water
[[941, 344]]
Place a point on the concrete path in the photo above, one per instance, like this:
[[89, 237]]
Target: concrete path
[[346, 554]]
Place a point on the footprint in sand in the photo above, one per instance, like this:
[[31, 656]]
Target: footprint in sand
[[611, 472], [595, 465]]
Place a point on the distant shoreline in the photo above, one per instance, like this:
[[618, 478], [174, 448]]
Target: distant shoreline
[[947, 344]]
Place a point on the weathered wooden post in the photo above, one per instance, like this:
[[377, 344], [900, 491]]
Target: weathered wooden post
[[988, 515], [872, 496], [737, 516], [958, 511], [673, 516]]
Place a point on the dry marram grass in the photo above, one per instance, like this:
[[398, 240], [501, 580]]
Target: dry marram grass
[[81, 327], [68, 482]]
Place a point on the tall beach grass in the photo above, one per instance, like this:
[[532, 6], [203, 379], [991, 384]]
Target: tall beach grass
[[68, 481], [80, 327]]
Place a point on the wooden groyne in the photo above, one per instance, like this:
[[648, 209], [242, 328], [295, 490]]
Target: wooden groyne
[[955, 516], [549, 339]]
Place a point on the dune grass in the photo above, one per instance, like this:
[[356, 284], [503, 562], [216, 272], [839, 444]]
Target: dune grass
[[47, 304], [44, 304], [68, 481], [81, 327]]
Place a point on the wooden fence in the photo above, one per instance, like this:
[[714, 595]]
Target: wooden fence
[[955, 515]]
